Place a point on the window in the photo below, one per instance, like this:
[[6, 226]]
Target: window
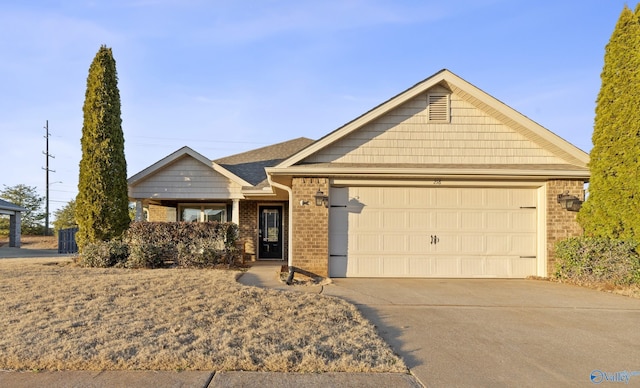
[[203, 213], [438, 107]]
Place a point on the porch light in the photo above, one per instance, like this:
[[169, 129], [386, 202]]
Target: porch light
[[321, 199], [569, 202]]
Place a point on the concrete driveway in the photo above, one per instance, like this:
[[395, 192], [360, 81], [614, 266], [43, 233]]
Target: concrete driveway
[[502, 332]]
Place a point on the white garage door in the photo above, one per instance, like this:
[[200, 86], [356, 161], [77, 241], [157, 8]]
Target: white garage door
[[432, 232]]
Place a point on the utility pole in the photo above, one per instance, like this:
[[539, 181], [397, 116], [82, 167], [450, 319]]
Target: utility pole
[[47, 170]]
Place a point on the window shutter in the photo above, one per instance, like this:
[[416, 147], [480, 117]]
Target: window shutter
[[438, 107]]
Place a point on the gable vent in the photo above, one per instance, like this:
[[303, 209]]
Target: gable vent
[[438, 107]]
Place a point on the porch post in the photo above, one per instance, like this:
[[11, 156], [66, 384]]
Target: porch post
[[235, 212], [14, 230], [139, 213]]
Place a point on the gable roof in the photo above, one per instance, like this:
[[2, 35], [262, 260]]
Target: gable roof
[[177, 155], [573, 156], [250, 165]]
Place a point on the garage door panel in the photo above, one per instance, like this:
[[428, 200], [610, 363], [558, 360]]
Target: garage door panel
[[472, 243], [472, 266], [394, 243], [394, 220], [364, 242], [391, 197], [523, 267], [446, 267], [420, 266], [472, 220], [496, 198], [394, 266], [500, 266], [420, 198], [419, 243], [420, 219], [446, 198], [524, 244], [478, 232], [524, 221], [523, 198], [366, 220], [446, 220], [472, 199], [498, 244]]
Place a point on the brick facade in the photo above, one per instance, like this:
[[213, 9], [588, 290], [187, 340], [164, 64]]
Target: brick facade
[[248, 228], [310, 243], [561, 223]]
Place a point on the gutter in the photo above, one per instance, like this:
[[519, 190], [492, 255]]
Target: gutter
[[290, 229]]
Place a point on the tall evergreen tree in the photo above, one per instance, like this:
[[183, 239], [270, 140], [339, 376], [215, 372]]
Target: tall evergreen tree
[[613, 206], [102, 211]]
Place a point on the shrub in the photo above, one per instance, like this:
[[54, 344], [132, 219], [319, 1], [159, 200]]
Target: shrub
[[186, 244], [153, 244], [104, 254], [145, 255], [598, 260]]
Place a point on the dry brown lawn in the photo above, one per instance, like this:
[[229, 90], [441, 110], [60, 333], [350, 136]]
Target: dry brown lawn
[[54, 316], [33, 242]]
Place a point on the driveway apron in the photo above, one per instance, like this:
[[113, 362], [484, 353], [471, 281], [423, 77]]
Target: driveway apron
[[502, 332]]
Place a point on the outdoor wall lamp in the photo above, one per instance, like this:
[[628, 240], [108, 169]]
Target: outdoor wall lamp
[[569, 202], [321, 199]]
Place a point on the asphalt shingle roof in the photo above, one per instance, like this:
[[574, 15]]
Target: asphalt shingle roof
[[250, 165]]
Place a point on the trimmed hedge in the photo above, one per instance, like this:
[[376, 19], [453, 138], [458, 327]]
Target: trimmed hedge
[[598, 260], [157, 244]]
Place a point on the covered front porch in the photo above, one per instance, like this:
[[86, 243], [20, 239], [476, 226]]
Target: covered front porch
[[263, 225]]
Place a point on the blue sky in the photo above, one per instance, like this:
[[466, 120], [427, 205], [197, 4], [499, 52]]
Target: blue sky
[[224, 77]]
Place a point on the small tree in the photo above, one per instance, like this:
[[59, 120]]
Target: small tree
[[102, 204], [611, 210], [65, 217], [28, 198]]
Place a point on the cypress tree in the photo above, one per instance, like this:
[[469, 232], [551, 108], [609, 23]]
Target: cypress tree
[[102, 203], [612, 208]]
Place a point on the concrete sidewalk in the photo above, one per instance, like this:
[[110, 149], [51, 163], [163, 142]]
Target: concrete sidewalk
[[153, 379], [260, 275]]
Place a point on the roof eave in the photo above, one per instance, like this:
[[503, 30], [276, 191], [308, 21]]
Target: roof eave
[[389, 172]]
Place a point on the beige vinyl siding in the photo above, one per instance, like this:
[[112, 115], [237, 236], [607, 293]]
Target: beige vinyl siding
[[186, 178], [405, 135]]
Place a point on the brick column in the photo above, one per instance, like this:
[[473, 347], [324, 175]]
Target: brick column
[[310, 243], [561, 223]]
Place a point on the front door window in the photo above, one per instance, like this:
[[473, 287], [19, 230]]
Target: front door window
[[270, 244]]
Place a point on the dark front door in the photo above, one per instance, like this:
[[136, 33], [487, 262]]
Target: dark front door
[[270, 233]]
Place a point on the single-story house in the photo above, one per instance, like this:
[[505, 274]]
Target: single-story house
[[14, 212], [441, 180]]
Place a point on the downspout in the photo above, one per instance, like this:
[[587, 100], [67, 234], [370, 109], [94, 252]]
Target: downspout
[[290, 232]]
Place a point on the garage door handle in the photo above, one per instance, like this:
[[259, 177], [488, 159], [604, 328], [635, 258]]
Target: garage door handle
[[528, 257]]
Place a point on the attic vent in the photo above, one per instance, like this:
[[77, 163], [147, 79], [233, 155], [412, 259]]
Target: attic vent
[[438, 106]]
